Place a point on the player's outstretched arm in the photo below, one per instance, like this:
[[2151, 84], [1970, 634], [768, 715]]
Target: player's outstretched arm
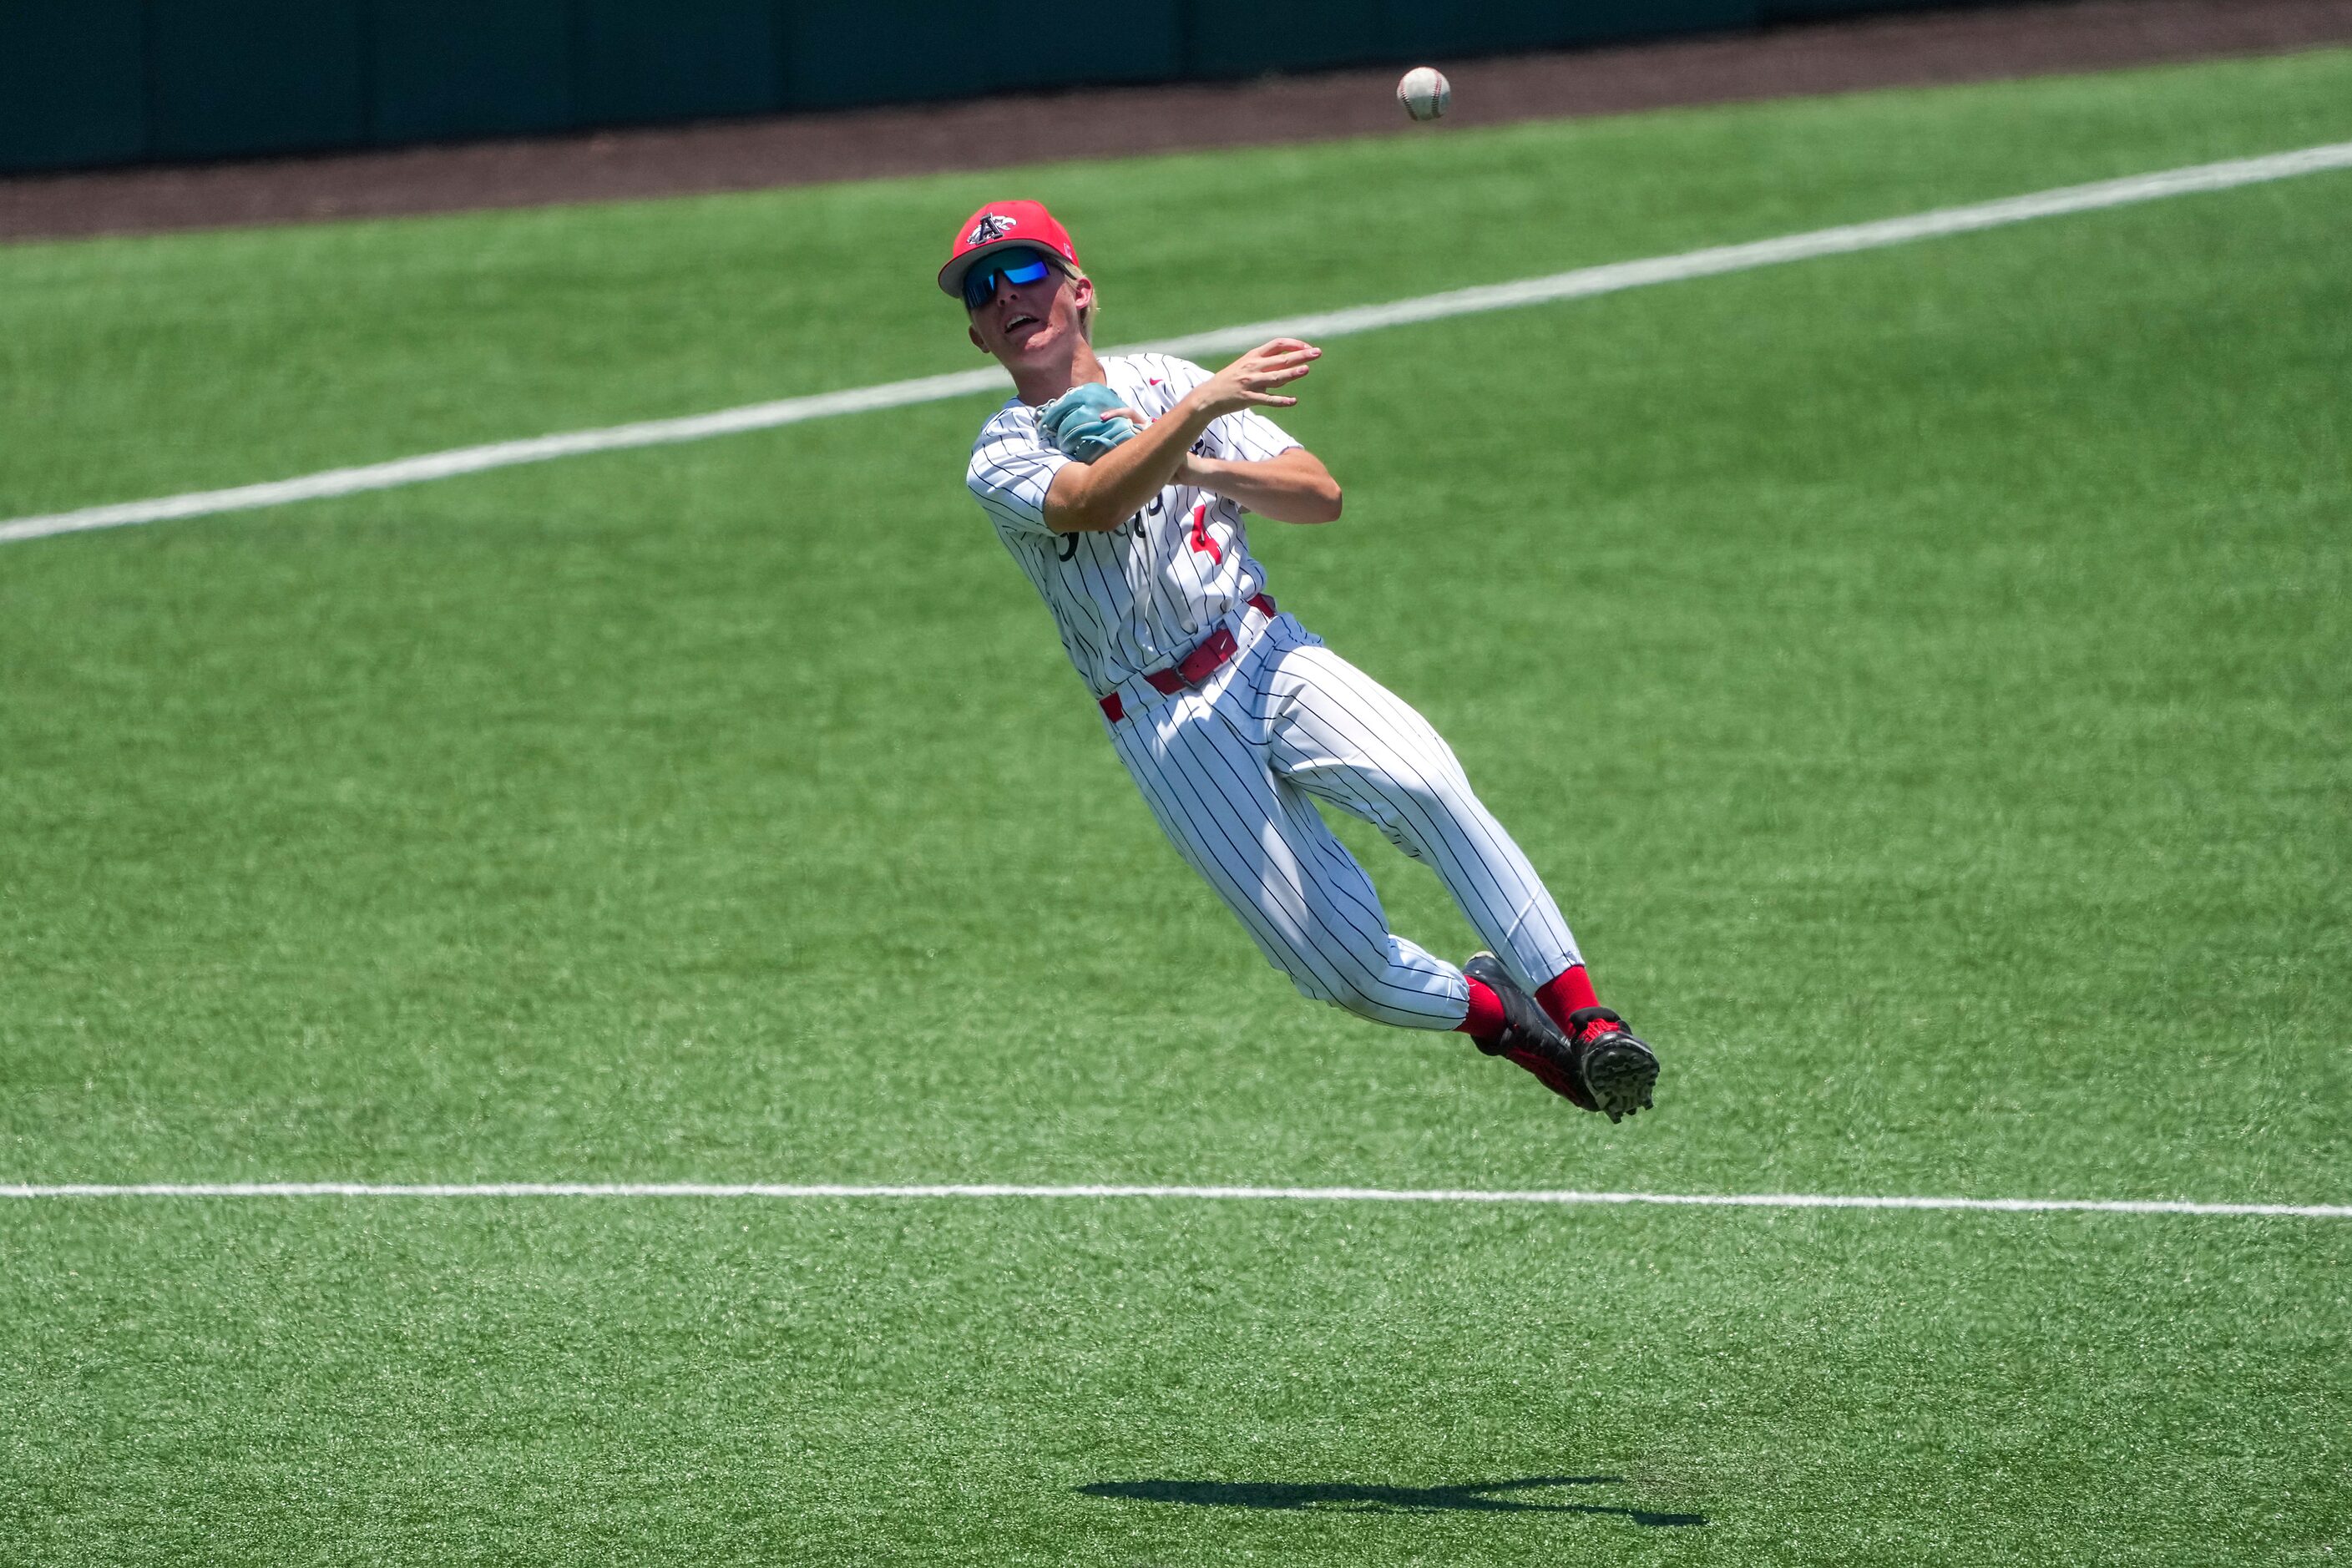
[[1095, 498], [1292, 488]]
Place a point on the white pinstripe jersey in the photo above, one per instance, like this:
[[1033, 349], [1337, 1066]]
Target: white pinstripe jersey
[[1139, 595]]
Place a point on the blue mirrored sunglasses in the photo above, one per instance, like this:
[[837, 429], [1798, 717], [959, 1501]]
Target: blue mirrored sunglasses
[[1018, 265]]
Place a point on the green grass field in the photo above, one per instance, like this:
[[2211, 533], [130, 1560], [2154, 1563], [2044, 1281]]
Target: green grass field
[[1923, 675]]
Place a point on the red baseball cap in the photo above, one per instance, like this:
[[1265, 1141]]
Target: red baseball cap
[[999, 226]]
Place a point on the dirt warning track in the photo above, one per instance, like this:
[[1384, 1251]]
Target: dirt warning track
[[753, 154]]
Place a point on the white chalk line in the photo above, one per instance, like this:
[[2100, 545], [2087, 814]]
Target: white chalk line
[[1581, 283], [1262, 1194]]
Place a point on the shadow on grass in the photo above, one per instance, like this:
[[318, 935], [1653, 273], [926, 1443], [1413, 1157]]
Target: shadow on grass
[[1349, 1497]]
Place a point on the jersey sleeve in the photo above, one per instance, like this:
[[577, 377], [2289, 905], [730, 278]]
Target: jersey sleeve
[[1248, 437], [1011, 469]]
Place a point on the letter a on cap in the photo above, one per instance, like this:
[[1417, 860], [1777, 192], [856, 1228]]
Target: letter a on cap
[[1001, 223]]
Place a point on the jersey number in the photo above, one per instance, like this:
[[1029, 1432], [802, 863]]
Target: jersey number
[[1201, 541], [1065, 546]]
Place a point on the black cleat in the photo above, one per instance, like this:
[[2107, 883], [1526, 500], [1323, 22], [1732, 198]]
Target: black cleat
[[1596, 1064], [1530, 1038], [1619, 1069]]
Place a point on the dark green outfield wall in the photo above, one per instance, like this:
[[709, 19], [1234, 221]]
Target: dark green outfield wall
[[87, 82]]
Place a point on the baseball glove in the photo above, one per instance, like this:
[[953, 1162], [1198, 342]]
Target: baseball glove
[[1080, 423]]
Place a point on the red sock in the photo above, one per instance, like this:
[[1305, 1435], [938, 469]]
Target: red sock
[[1566, 992], [1485, 1019]]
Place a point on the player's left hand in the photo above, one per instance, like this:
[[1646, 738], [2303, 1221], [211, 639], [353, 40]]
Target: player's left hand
[[1087, 421]]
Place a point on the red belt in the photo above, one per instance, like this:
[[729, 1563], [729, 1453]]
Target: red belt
[[1208, 655]]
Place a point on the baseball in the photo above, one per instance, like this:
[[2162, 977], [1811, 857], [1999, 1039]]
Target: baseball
[[1424, 92]]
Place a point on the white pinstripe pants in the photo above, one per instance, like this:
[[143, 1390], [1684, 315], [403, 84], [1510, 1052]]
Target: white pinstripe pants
[[1232, 772]]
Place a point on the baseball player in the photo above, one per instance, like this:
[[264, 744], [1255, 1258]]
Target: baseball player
[[1120, 485]]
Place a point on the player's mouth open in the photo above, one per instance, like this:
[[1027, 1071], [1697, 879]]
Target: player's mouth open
[[1017, 321]]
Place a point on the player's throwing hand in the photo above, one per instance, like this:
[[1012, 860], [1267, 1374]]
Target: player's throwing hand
[[1249, 381]]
